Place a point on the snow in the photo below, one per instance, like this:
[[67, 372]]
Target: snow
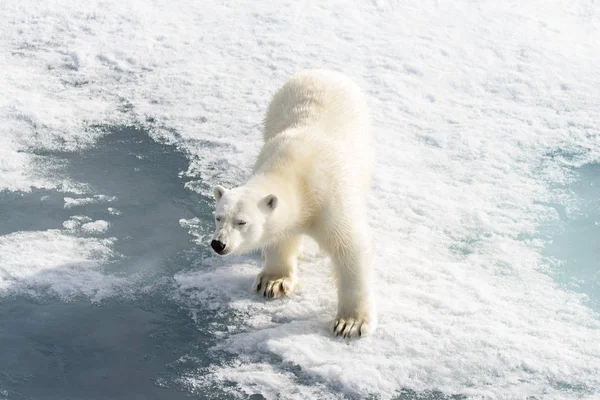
[[258, 378], [71, 202], [96, 227], [479, 110], [57, 263], [113, 211]]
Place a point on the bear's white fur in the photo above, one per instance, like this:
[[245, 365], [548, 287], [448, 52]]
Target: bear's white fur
[[311, 178]]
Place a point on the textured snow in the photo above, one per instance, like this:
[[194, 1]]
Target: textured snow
[[71, 202], [98, 226], [478, 110], [56, 263], [113, 211], [258, 377]]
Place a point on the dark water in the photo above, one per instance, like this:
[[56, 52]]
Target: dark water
[[118, 350], [121, 348]]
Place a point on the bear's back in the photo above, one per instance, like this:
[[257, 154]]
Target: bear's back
[[326, 101], [317, 126]]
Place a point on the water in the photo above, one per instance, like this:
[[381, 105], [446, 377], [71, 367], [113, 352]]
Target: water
[[575, 245], [124, 347], [139, 344], [118, 350]]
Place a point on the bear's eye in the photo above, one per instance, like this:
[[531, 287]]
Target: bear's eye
[[241, 223], [218, 219]]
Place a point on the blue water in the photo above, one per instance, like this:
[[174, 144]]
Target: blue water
[[139, 346], [576, 237], [123, 348]]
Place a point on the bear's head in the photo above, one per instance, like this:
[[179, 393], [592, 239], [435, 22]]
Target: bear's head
[[241, 217]]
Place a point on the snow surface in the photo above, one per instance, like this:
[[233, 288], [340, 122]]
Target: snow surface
[[99, 226], [479, 109], [70, 202], [52, 261]]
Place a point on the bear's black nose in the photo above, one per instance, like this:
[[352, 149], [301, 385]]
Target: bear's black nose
[[217, 246]]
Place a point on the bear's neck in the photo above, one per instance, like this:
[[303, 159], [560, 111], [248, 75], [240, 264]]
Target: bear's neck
[[289, 215]]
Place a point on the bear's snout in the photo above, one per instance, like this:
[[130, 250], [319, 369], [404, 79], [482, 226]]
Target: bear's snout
[[217, 246]]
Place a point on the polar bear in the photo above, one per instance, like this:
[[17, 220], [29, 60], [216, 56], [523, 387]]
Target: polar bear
[[311, 178]]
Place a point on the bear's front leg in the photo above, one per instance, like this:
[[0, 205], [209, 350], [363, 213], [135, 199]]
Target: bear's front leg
[[356, 315], [278, 277]]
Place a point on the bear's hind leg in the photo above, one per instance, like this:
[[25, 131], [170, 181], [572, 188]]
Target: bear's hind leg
[[278, 277]]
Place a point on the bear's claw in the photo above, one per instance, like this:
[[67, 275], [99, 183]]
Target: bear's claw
[[350, 328], [273, 287]]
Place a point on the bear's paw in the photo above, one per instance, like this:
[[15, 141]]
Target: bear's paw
[[350, 328], [273, 286]]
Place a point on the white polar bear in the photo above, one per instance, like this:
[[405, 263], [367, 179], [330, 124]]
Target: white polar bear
[[311, 178]]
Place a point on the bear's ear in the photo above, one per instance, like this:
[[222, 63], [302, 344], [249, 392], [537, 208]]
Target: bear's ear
[[218, 192], [271, 201]]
